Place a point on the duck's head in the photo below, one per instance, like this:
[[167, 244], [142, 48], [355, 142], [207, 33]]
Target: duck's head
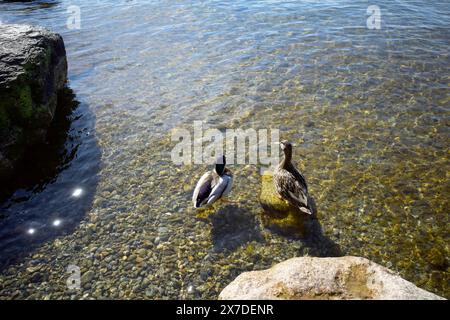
[[286, 146], [220, 165]]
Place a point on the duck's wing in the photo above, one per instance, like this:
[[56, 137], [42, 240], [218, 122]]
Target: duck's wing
[[221, 188], [299, 177], [229, 186], [291, 190], [229, 176], [203, 190]]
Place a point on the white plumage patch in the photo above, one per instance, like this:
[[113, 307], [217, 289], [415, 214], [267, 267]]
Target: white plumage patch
[[210, 188]]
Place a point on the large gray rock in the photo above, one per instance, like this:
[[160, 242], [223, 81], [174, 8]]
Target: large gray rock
[[324, 278], [33, 69]]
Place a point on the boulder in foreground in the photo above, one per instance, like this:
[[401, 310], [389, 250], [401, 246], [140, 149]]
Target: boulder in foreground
[[324, 278]]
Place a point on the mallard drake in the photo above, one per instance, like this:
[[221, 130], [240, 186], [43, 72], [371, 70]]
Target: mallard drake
[[213, 185], [290, 184]]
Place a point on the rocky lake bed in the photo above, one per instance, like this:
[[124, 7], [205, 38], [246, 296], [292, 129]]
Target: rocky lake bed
[[370, 126]]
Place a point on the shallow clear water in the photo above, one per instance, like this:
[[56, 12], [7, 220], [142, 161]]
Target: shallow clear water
[[368, 110]]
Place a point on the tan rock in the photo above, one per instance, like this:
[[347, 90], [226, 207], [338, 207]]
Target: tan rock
[[324, 278]]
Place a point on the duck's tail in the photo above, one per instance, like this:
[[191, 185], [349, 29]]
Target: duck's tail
[[305, 210]]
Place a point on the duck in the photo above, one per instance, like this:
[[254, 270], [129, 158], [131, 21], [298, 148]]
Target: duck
[[213, 185], [290, 184]]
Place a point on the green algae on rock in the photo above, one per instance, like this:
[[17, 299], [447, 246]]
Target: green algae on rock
[[33, 69], [278, 212]]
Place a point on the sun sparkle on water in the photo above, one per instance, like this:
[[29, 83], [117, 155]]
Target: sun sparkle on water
[[56, 223], [77, 192]]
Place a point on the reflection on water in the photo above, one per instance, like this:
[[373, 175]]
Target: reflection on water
[[52, 156], [77, 192], [41, 207], [368, 109]]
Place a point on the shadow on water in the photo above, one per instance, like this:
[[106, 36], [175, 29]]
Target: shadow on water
[[43, 162], [55, 184], [318, 244], [315, 243], [232, 227]]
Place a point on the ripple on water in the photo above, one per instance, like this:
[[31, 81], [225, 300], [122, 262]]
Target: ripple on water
[[367, 108]]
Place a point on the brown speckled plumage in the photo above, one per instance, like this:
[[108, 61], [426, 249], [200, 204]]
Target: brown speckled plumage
[[290, 183]]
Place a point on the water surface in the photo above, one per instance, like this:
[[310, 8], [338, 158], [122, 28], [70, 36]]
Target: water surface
[[368, 109]]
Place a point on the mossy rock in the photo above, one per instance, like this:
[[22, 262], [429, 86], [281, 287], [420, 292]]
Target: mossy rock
[[16, 106], [33, 72], [278, 213]]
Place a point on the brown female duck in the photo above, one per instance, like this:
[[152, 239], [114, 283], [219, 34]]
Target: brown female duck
[[290, 184]]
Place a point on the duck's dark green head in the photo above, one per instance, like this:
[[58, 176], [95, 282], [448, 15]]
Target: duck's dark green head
[[220, 165]]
